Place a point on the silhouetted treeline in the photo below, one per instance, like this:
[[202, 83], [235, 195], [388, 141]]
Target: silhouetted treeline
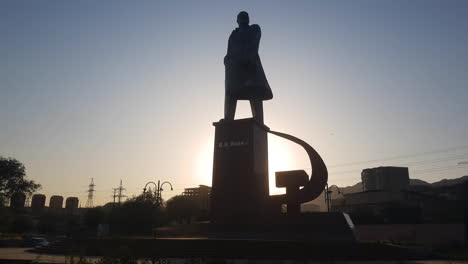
[[142, 214], [139, 215]]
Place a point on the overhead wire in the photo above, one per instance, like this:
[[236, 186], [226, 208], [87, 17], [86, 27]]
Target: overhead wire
[[400, 156]]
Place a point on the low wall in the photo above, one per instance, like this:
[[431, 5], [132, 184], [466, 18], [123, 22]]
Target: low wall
[[423, 234]]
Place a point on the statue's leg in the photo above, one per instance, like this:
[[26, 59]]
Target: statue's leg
[[257, 110], [229, 107]]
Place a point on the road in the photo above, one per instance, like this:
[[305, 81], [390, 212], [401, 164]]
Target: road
[[22, 254]]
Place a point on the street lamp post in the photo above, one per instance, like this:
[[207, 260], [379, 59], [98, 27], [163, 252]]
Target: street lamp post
[[155, 186], [328, 195], [158, 190]]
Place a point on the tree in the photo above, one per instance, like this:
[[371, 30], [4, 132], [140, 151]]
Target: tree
[[138, 215], [13, 179], [182, 208], [93, 217]]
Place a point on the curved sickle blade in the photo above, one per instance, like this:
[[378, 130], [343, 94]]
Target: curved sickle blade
[[319, 177]]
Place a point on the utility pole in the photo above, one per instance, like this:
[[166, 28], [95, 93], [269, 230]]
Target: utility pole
[[120, 189], [328, 195], [113, 196], [326, 198], [89, 202]]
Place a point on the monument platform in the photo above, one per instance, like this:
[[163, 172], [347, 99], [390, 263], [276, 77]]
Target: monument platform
[[312, 227]]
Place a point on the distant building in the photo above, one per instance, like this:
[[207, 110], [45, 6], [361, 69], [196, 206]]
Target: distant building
[[385, 179], [201, 195], [387, 198]]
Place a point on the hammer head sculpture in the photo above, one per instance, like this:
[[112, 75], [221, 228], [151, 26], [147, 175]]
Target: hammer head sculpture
[[293, 178]]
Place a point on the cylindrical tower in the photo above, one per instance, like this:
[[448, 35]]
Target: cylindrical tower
[[38, 203], [71, 204], [17, 200], [56, 202]]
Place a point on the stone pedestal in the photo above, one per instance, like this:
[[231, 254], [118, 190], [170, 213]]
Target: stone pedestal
[[240, 172]]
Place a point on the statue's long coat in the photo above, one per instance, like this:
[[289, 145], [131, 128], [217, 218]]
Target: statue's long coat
[[245, 78]]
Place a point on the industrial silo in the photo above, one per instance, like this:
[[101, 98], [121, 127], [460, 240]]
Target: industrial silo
[[71, 204], [38, 203], [56, 202], [17, 200]]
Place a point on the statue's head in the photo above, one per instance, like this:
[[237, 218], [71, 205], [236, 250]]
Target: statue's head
[[243, 18]]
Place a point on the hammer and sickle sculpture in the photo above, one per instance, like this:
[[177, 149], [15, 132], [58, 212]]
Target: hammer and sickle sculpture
[[316, 182]]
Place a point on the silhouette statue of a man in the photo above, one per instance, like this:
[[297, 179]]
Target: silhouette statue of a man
[[245, 78]]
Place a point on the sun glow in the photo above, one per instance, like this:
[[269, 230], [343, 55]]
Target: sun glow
[[204, 162], [279, 159], [282, 155]]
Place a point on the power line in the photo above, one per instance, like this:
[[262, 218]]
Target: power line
[[438, 169], [403, 164], [407, 164], [435, 160], [429, 170], [400, 156]]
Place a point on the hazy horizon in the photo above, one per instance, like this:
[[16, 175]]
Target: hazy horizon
[[126, 90]]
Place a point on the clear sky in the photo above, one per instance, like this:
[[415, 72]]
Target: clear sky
[[128, 90]]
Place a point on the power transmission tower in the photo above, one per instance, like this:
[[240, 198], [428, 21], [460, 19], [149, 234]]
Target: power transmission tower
[[89, 202], [119, 193]]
